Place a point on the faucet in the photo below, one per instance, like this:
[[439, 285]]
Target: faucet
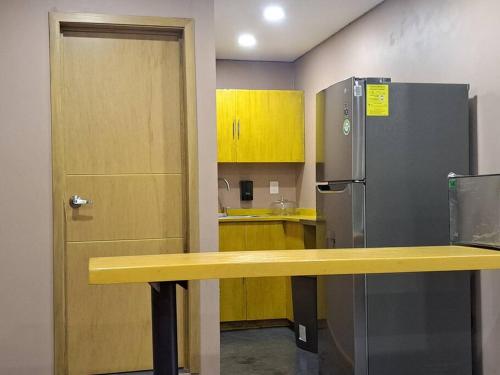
[[228, 187], [226, 182]]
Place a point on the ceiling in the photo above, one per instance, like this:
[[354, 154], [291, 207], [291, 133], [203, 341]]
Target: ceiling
[[307, 23]]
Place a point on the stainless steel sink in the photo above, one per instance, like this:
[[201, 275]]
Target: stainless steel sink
[[229, 217]]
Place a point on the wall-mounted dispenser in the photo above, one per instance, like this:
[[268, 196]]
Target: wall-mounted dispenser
[[246, 190]]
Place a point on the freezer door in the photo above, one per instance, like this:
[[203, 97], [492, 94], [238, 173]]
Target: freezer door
[[340, 132], [342, 332]]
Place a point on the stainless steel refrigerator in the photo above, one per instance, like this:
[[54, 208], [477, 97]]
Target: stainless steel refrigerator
[[384, 151]]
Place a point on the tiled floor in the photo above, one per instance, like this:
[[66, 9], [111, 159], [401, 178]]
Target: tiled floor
[[269, 351], [264, 351], [143, 373]]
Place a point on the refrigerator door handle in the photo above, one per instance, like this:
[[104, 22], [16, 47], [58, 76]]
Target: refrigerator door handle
[[338, 188]]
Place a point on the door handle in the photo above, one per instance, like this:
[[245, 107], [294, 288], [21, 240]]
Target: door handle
[[76, 201], [332, 189], [234, 123], [238, 129]]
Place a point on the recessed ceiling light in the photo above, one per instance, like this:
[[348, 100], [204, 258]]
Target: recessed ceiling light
[[274, 13], [247, 40]]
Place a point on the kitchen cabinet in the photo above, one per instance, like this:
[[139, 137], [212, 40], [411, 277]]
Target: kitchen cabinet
[[260, 126], [269, 297], [259, 298], [265, 296], [226, 125], [232, 291]]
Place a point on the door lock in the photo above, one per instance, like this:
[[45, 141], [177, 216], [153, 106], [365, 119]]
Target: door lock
[[76, 201]]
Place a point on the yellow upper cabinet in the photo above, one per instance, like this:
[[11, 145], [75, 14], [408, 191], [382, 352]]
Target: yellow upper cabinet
[[226, 125], [260, 126]]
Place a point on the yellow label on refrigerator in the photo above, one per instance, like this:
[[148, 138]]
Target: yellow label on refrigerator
[[377, 100]]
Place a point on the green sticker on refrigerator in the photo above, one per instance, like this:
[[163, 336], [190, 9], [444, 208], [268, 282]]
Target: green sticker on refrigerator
[[346, 126], [452, 183]]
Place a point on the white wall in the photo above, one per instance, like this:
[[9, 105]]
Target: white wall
[[424, 41], [26, 324]]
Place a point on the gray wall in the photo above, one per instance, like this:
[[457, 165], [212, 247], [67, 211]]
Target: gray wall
[[26, 326], [261, 175], [420, 41], [232, 74], [263, 75]]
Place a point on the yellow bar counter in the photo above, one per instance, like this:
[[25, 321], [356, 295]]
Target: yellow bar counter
[[223, 265], [164, 272]]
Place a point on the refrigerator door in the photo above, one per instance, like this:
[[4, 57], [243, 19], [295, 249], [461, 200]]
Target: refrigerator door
[[418, 323], [340, 132], [342, 332]]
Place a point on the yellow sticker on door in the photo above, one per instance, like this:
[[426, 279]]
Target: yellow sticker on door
[[377, 100]]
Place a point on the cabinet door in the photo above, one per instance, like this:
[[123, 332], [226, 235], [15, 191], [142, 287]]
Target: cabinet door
[[265, 296], [232, 291], [252, 109], [270, 126], [226, 125], [287, 116]]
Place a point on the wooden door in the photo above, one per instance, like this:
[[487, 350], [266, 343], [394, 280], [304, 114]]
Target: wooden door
[[226, 125], [266, 296], [124, 150], [232, 291]]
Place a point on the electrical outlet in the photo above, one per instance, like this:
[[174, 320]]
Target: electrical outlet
[[274, 187]]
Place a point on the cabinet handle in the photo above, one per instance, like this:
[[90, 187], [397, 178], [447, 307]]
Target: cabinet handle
[[238, 129], [234, 123]]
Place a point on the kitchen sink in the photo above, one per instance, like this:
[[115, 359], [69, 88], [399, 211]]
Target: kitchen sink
[[229, 217]]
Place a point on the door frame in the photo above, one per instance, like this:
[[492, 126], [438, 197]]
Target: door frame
[[184, 27]]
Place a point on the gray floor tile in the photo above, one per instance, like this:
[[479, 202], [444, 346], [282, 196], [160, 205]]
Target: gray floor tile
[[266, 351]]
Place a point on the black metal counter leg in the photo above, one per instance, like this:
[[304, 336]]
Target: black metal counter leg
[[164, 328], [304, 297]]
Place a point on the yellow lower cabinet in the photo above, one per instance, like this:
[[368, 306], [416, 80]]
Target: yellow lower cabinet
[[261, 298], [294, 234], [232, 291], [266, 296]]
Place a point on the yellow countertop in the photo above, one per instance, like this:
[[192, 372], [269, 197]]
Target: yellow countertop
[[303, 214], [222, 265], [292, 218]]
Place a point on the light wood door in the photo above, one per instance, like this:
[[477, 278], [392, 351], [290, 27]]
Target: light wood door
[[232, 291], [265, 296], [226, 125], [123, 149]]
